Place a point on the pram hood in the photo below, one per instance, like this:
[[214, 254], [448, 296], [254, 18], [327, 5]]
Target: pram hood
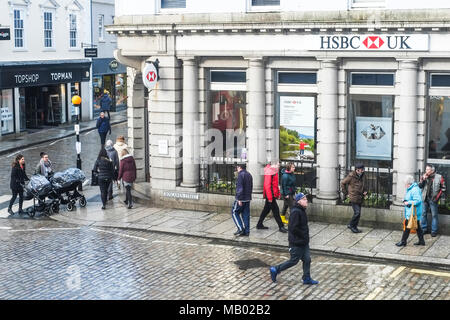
[[38, 185], [67, 178]]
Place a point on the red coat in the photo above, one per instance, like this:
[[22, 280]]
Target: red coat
[[127, 169], [271, 189]]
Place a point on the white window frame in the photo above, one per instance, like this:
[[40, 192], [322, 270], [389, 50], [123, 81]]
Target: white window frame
[[22, 18], [52, 21], [252, 8], [363, 4], [371, 89], [77, 46]]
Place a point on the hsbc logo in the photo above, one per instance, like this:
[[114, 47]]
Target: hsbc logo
[[151, 76], [375, 42]]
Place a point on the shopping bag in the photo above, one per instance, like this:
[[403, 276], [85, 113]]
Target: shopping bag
[[94, 179], [412, 222]]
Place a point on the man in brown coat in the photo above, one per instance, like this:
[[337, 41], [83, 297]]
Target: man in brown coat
[[353, 186]]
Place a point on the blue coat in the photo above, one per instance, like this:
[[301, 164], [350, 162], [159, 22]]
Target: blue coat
[[287, 183], [103, 125], [244, 186], [105, 102], [414, 197]]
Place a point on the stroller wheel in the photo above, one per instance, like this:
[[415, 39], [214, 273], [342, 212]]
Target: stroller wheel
[[31, 212], [82, 201], [70, 206]]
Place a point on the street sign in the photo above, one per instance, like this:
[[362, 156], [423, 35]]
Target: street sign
[[5, 34], [90, 52], [150, 76]]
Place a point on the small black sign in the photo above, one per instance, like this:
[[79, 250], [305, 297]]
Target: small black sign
[[5, 34], [90, 52]]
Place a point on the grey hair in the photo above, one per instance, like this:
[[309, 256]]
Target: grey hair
[[409, 179], [109, 143]]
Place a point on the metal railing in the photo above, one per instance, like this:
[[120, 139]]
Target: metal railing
[[444, 201], [218, 178], [378, 183], [305, 176]]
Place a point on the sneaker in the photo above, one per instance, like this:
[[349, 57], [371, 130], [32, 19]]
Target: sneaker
[[261, 227], [237, 233], [310, 281], [283, 230], [433, 234], [103, 208], [130, 206], [273, 274]]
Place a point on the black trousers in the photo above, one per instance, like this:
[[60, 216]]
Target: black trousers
[[288, 203], [405, 234], [356, 215], [103, 137], [276, 212], [104, 184], [128, 197], [14, 197]]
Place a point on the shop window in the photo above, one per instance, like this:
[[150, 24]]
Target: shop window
[[22, 109], [121, 91], [371, 130], [372, 79], [228, 76], [439, 128], [48, 30], [173, 4], [227, 114], [19, 29], [297, 78], [440, 80], [7, 111], [265, 2]]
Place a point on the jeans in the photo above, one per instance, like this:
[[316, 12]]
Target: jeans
[[104, 184], [276, 212], [356, 215], [128, 198], [298, 253], [243, 224], [433, 206]]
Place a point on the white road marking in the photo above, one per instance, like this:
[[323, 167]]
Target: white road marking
[[434, 273], [44, 229], [5, 228], [5, 198], [119, 234]]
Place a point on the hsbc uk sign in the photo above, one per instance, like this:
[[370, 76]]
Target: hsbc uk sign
[[367, 42]]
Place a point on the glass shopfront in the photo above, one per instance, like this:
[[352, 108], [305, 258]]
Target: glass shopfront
[[7, 111]]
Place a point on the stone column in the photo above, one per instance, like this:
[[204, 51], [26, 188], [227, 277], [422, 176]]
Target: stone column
[[406, 118], [256, 110], [191, 145], [327, 144]]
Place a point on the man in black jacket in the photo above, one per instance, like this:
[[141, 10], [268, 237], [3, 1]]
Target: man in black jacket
[[298, 238], [244, 188]]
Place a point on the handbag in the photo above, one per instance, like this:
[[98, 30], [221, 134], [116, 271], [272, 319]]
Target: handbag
[[412, 222], [94, 178]]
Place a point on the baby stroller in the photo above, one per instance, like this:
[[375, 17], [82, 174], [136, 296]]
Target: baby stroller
[[65, 186], [38, 189]]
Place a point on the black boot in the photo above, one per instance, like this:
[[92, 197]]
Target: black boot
[[10, 211]]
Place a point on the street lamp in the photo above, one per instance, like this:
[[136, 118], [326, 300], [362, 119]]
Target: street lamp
[[76, 101]]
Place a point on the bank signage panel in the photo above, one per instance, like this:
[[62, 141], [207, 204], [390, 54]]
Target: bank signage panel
[[371, 42], [5, 34]]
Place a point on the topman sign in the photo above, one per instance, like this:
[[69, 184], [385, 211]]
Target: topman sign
[[368, 42]]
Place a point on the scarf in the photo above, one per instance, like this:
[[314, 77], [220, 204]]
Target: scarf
[[46, 167]]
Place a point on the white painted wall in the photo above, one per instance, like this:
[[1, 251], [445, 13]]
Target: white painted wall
[[34, 29], [139, 7]]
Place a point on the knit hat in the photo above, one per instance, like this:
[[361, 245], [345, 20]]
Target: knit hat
[[299, 196]]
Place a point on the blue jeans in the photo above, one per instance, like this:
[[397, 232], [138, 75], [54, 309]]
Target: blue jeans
[[298, 253], [430, 204], [243, 224]]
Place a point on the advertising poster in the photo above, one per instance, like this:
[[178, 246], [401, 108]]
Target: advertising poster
[[297, 128], [373, 138]]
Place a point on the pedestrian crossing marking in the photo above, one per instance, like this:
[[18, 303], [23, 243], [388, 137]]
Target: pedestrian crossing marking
[[397, 272], [434, 273]]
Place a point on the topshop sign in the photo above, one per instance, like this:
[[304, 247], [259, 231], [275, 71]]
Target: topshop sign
[[360, 42]]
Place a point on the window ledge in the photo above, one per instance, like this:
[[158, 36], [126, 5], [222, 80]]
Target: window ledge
[[20, 50]]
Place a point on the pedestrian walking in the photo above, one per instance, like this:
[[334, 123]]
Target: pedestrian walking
[[44, 167], [271, 193], [103, 127], [114, 157], [120, 145], [413, 205], [105, 103], [298, 238], [433, 187], [288, 189], [18, 178], [241, 205], [354, 186], [105, 168], [127, 172]]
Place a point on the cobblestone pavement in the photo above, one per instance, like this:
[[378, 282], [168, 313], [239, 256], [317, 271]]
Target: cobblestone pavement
[[54, 260], [61, 152]]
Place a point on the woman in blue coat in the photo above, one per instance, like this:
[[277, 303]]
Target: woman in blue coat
[[413, 199], [103, 127]]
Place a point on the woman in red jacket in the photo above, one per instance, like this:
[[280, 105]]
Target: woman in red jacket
[[271, 193], [127, 172]]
